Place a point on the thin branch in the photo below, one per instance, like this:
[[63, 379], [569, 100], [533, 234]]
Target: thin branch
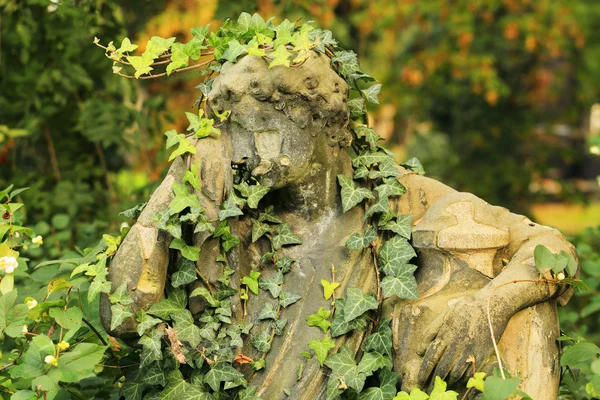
[[164, 73], [95, 331], [52, 151]]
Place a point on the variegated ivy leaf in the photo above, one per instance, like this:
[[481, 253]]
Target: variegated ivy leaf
[[401, 225], [395, 253], [369, 134], [185, 274], [361, 172], [248, 393], [204, 292], [357, 303], [402, 285], [273, 284], [253, 194], [268, 215], [284, 264], [278, 325], [221, 372], [179, 389], [119, 314], [371, 93], [390, 187], [381, 339], [372, 361], [229, 209], [259, 229], [145, 322], [382, 206], [287, 298], [151, 346], [356, 107], [202, 225], [357, 242], [262, 342], [120, 296], [268, 312], [192, 253], [386, 169], [344, 367], [339, 326], [414, 165], [351, 195], [154, 375], [164, 308], [284, 237]]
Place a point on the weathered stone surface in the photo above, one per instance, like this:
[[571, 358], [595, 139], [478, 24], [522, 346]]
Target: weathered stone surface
[[288, 129]]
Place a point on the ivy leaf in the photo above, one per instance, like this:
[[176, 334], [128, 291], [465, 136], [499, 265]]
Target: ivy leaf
[[185, 146], [248, 393], [356, 107], [182, 199], [268, 312], [158, 45], [320, 319], [402, 285], [371, 93], [185, 274], [145, 322], [120, 296], [476, 381], [154, 375], [372, 393], [286, 298], [281, 56], [415, 394], [357, 242], [254, 50], [202, 225], [141, 64], [357, 303], [439, 391], [164, 308], [229, 209], [183, 324], [234, 50], [380, 341], [251, 281], [273, 284], [192, 253], [127, 46], [262, 342], [192, 176], [178, 389], [284, 237], [401, 225], [133, 389], [268, 215], [370, 158], [279, 325], [253, 193], [369, 134], [259, 229], [414, 165], [173, 137], [179, 58], [204, 292], [391, 187], [388, 380], [284, 264], [339, 326], [347, 62], [119, 314], [99, 285], [395, 253], [328, 288], [343, 365], [321, 348], [151, 347], [351, 196]]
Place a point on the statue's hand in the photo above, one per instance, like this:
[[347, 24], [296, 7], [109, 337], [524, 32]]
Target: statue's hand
[[460, 332]]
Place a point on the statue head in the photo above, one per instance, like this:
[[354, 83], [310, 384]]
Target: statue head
[[281, 116]]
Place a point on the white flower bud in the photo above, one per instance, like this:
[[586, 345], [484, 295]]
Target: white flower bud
[[8, 264], [24, 330], [37, 240], [31, 303], [51, 360], [560, 276]]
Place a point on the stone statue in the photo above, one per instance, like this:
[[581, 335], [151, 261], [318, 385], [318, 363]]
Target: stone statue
[[288, 129]]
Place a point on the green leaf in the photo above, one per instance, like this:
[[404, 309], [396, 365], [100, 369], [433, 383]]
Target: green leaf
[[251, 281], [351, 196], [221, 372], [476, 381], [12, 317], [403, 285], [286, 298], [328, 288], [371, 93], [544, 258], [119, 314], [57, 285], [259, 229], [372, 393], [494, 388], [185, 274], [394, 254], [415, 165], [388, 380], [357, 242], [179, 58], [204, 292], [273, 284], [99, 285], [571, 263], [253, 193], [145, 322], [373, 361], [343, 365], [580, 352], [321, 348], [164, 308], [357, 303], [183, 324], [182, 199], [281, 56], [234, 50], [401, 225], [415, 394], [133, 389], [262, 342], [284, 264], [79, 363], [185, 146], [154, 375], [69, 319], [320, 319], [284, 237], [370, 158], [178, 389], [127, 46], [268, 312], [229, 209], [192, 176], [269, 215], [141, 64], [120, 296], [192, 253], [339, 326], [279, 325], [380, 340], [158, 45], [391, 187]]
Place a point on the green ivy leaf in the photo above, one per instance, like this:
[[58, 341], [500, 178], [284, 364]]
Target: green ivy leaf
[[286, 298], [253, 193], [268, 215], [371, 93], [394, 254], [164, 308], [281, 56], [370, 158], [284, 237], [229, 209], [356, 107], [192, 253], [351, 196], [401, 225], [391, 187], [192, 176], [119, 314], [273, 284], [476, 381], [185, 146], [369, 134], [321, 348], [178, 389], [357, 242], [357, 303], [279, 325], [251, 281], [403, 284], [494, 388], [234, 50], [183, 324], [120, 296], [339, 326], [204, 292], [99, 285], [145, 322], [259, 229], [262, 342], [343, 365], [381, 339], [414, 165], [185, 274], [141, 64], [157, 46], [328, 288], [372, 361], [320, 319], [268, 312]]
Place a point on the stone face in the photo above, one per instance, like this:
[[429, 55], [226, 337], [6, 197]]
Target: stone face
[[288, 129]]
